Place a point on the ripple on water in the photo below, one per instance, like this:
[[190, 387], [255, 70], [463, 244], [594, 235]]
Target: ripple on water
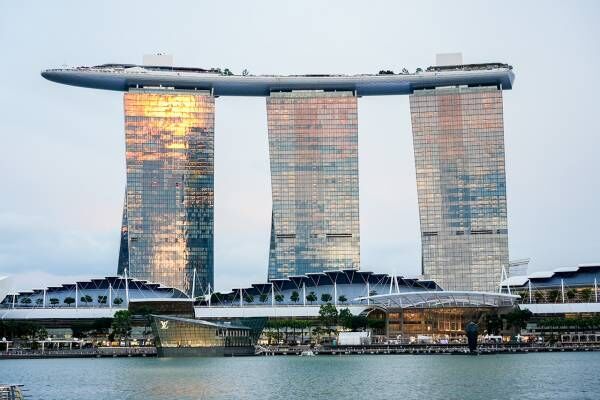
[[518, 376]]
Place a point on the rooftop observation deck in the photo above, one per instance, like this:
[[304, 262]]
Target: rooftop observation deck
[[122, 77]]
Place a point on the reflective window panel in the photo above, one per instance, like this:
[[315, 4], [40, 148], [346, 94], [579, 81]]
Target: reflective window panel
[[458, 138], [313, 147], [170, 187]]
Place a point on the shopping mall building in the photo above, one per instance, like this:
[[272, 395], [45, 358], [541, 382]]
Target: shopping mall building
[[406, 306], [233, 321]]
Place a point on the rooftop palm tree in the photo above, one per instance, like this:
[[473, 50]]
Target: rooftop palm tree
[[554, 295], [295, 296], [311, 297], [586, 294]]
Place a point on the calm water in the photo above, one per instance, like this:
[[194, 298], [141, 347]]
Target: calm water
[[520, 376]]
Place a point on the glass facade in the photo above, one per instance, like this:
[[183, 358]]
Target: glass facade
[[180, 332], [439, 323], [168, 221], [313, 146], [458, 138], [124, 245]]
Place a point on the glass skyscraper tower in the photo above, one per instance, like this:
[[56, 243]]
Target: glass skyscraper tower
[[313, 146], [167, 232], [458, 138]]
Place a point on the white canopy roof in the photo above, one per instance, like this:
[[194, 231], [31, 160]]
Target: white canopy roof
[[438, 298]]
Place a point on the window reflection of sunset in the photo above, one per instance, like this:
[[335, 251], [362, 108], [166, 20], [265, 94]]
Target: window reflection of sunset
[[169, 144]]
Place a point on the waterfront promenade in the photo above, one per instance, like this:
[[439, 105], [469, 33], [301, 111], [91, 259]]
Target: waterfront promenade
[[376, 349], [421, 349], [80, 353]]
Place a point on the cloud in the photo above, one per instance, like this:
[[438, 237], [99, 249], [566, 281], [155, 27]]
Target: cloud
[[30, 242]]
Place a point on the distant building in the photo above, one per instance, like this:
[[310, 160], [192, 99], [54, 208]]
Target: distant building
[[458, 137], [313, 146]]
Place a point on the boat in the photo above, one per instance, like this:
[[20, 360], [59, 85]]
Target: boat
[[307, 353]]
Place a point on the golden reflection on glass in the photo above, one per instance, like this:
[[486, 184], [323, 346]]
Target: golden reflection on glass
[[458, 136], [443, 322], [171, 332], [313, 148], [169, 137]]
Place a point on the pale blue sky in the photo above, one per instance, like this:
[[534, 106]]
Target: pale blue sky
[[62, 163]]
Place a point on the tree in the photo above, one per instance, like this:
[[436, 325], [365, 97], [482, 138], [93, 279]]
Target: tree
[[102, 299], [39, 302], [376, 323], [86, 299], [345, 318], [68, 301], [245, 72], [493, 324], [342, 299], [146, 313], [518, 318], [352, 322], [523, 295], [571, 293], [54, 301], [40, 333], [553, 295], [419, 70], [373, 293], [404, 71], [359, 322], [121, 324], [538, 297], [231, 297], [326, 298], [248, 298], [295, 296], [328, 316], [26, 300], [279, 298], [263, 297], [117, 301], [216, 297], [586, 294], [311, 297]]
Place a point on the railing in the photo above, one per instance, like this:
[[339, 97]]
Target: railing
[[11, 392]]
